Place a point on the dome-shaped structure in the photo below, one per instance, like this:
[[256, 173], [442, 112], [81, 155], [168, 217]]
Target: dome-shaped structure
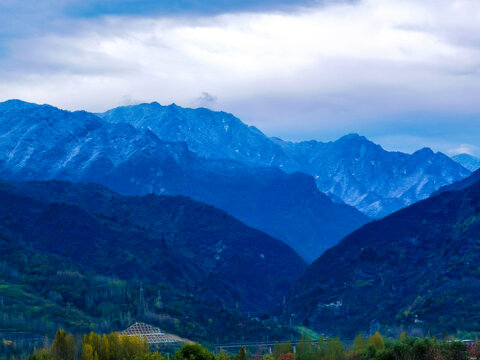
[[153, 334]]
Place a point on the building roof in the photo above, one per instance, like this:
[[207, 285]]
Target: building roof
[[153, 334]]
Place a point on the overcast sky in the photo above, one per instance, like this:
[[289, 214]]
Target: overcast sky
[[404, 73]]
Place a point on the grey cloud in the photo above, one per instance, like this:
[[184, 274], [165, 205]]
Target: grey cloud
[[205, 100], [308, 91]]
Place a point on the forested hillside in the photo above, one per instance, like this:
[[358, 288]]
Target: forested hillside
[[415, 269], [84, 257]]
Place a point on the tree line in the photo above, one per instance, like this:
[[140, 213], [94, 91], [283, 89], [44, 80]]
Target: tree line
[[122, 347]]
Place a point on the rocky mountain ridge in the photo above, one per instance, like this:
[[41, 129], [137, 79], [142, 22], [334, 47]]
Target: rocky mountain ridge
[[352, 169], [44, 143]]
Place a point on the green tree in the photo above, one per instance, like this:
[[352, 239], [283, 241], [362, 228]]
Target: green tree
[[359, 344], [42, 354], [223, 356], [369, 353], [321, 348], [151, 356], [193, 352], [454, 350], [276, 350], [63, 347], [305, 348], [335, 349]]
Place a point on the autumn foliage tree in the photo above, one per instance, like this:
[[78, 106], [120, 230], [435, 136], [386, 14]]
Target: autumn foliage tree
[[287, 356], [282, 348], [376, 340], [63, 347]]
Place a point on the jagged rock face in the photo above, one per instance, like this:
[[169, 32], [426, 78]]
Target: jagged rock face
[[376, 181], [352, 169], [416, 268], [43, 142], [210, 134]]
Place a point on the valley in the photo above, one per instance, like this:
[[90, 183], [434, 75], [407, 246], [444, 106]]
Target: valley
[[135, 214]]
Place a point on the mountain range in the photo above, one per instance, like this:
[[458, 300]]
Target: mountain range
[[43, 143], [352, 169], [198, 200], [415, 269]]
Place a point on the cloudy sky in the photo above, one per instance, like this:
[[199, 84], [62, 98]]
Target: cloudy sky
[[404, 73]]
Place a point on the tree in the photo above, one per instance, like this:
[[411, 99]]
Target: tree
[[87, 353], [377, 341], [282, 348], [114, 347], [63, 347], [474, 350], [242, 354], [131, 347], [335, 349], [359, 344], [321, 348], [193, 352], [42, 354], [105, 348], [287, 356], [223, 356], [304, 348], [151, 356]]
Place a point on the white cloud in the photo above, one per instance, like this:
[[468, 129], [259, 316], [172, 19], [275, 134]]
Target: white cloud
[[463, 149], [331, 69]]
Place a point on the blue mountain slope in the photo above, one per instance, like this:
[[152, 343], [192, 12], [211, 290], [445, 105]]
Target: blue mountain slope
[[352, 169], [43, 142], [468, 161], [416, 269]]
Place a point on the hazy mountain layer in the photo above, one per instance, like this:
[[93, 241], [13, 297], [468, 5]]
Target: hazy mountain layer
[[352, 169], [43, 142], [468, 161]]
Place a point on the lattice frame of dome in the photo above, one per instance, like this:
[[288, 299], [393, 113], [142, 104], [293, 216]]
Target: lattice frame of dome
[[153, 334]]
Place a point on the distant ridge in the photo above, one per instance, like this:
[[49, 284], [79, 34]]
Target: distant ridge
[[44, 143], [468, 161], [352, 169]]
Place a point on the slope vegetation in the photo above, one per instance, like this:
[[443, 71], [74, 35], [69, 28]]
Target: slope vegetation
[[415, 268]]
